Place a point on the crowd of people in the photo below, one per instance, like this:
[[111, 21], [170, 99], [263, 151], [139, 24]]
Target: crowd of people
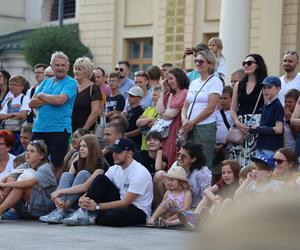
[[160, 149]]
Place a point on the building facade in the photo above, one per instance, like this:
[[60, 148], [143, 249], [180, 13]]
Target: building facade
[[155, 31]]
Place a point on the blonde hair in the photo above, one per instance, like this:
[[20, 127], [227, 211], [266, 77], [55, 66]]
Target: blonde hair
[[219, 44], [86, 64], [59, 54], [210, 58]]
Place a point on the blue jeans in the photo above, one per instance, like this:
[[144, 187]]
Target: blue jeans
[[68, 180]]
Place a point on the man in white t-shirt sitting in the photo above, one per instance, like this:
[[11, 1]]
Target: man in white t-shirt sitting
[[291, 80], [121, 197]]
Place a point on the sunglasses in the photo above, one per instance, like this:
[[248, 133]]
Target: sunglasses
[[119, 69], [291, 52], [199, 61], [248, 63], [41, 145], [279, 161]]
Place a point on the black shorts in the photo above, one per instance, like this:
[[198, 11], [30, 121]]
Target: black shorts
[[57, 143]]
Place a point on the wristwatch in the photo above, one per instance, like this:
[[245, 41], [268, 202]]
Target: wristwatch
[[97, 206]]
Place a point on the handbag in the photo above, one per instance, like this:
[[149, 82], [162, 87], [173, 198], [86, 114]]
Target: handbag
[[162, 125], [182, 136], [235, 136]]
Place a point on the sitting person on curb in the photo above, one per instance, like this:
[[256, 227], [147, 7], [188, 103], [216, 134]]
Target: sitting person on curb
[[74, 183], [259, 181], [73, 149], [214, 196], [177, 198], [120, 197], [29, 191]]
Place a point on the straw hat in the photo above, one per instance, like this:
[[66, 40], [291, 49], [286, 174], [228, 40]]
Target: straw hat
[[178, 173]]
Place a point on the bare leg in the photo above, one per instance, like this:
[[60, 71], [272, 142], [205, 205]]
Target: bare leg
[[159, 186], [12, 199], [6, 191], [226, 206], [202, 204], [158, 212]]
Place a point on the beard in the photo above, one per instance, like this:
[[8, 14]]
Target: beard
[[289, 69]]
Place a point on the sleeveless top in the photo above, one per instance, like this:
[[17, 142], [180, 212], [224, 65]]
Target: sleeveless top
[[246, 103], [178, 199]]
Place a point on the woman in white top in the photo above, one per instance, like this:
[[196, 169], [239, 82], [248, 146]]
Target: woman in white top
[[204, 93]]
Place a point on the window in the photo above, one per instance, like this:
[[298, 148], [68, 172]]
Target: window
[[139, 54], [69, 9]]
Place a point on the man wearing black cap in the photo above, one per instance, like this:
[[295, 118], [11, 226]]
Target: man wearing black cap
[[122, 196]]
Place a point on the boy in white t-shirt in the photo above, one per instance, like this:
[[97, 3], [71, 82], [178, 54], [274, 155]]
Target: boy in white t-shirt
[[259, 181], [121, 197]]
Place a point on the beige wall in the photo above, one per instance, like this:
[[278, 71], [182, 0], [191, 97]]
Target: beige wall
[[175, 24]]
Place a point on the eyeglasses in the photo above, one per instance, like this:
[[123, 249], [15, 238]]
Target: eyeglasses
[[181, 156], [279, 161], [141, 73], [199, 61], [248, 63], [2, 143], [119, 69], [39, 72]]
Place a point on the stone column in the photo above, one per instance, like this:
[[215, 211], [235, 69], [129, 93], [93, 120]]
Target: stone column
[[235, 33]]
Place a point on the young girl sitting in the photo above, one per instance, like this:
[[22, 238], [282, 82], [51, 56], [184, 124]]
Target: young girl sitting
[[177, 198], [74, 183], [213, 196]]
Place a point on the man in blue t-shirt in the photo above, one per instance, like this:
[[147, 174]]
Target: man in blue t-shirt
[[54, 101]]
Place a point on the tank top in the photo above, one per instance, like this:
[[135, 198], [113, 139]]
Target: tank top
[[246, 102], [177, 198]]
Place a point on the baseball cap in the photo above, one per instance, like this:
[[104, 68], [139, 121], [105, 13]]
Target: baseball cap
[[272, 81], [136, 91], [123, 144], [266, 159]]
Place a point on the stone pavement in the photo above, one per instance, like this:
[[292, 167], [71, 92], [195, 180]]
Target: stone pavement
[[35, 235]]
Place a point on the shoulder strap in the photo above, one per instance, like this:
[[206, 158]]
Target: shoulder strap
[[189, 116], [256, 104], [225, 119], [22, 97], [91, 90]]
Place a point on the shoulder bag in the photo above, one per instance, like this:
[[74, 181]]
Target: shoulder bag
[[235, 136]]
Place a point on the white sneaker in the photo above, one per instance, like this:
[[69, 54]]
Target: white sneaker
[[79, 218]]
